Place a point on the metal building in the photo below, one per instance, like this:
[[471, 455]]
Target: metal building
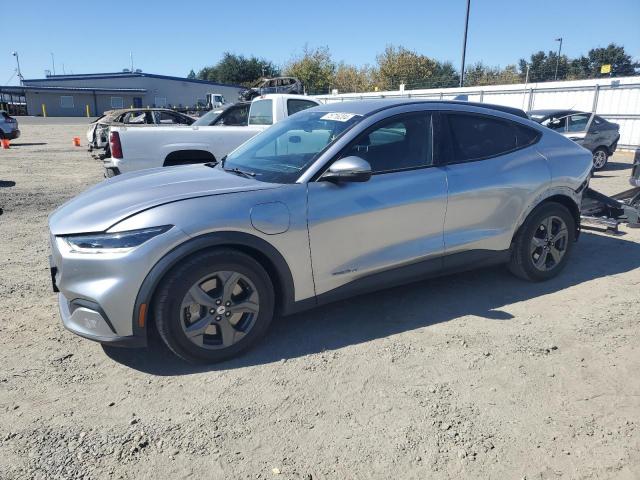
[[74, 95]]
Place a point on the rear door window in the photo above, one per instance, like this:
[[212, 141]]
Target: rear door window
[[166, 118], [474, 137], [578, 123], [261, 112]]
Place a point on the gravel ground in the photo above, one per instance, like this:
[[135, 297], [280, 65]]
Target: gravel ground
[[477, 375]]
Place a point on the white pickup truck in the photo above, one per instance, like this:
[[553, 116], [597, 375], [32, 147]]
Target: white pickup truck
[[139, 148]]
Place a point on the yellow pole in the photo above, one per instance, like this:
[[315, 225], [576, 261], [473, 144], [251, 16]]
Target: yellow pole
[[88, 111], [44, 110]]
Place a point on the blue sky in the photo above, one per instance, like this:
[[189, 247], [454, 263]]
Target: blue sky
[[170, 37]]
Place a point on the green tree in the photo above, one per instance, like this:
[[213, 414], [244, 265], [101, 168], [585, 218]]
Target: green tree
[[542, 66], [349, 78], [192, 74], [315, 68], [398, 65], [444, 76], [614, 55], [238, 69]]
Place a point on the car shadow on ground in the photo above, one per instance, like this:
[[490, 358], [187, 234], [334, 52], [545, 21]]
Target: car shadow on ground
[[615, 166], [27, 144], [481, 293]]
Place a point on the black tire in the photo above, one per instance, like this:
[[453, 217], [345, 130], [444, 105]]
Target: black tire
[[109, 173], [600, 158], [174, 287], [522, 258], [1, 135]]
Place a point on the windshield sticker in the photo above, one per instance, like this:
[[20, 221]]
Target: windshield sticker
[[339, 116]]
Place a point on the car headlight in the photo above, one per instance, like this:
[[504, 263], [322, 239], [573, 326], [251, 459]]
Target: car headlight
[[112, 242]]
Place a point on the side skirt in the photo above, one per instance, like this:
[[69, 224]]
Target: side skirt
[[448, 264]]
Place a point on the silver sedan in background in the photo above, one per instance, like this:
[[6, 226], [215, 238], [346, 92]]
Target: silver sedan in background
[[332, 202]]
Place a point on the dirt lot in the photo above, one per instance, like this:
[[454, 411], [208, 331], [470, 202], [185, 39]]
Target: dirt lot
[[477, 375]]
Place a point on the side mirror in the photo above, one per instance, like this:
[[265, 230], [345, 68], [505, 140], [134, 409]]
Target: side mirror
[[348, 169]]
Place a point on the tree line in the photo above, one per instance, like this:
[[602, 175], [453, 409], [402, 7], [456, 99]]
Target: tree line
[[396, 65]]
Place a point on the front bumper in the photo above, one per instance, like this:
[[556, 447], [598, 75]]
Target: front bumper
[[12, 135], [87, 319], [98, 292]]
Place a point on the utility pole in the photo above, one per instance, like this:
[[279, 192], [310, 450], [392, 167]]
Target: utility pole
[[53, 62], [15, 54], [526, 81], [131, 58], [464, 43], [558, 59]]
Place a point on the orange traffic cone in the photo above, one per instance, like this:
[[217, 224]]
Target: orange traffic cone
[[5, 143], [76, 141]]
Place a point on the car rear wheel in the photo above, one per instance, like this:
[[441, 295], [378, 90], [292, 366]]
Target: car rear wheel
[[600, 158], [543, 243], [215, 305]]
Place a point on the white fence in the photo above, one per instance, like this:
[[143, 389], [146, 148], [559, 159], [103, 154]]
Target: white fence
[[616, 99]]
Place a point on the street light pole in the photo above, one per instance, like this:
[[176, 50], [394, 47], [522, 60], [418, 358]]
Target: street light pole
[[53, 62], [15, 54], [464, 43], [558, 59]]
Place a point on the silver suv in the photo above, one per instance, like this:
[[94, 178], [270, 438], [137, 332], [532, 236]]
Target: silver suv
[[334, 201]]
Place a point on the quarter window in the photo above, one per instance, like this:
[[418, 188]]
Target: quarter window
[[399, 143], [474, 137]]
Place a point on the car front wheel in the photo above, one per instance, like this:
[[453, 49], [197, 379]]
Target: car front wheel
[[600, 158], [542, 245], [214, 305]]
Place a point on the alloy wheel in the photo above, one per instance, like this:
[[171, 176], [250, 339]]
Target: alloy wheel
[[219, 310], [549, 243], [599, 159]]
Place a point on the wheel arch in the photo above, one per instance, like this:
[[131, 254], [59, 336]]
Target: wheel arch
[[555, 197], [261, 250]]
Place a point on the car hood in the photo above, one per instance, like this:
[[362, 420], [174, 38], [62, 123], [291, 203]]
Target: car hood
[[113, 200]]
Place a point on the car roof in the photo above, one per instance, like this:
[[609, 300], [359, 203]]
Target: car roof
[[366, 107], [119, 111]]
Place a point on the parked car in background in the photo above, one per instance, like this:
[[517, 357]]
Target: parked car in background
[[98, 131], [8, 126], [289, 85], [139, 148], [329, 203], [236, 115], [589, 130]]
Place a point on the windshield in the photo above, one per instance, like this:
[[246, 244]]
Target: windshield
[[281, 153]]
